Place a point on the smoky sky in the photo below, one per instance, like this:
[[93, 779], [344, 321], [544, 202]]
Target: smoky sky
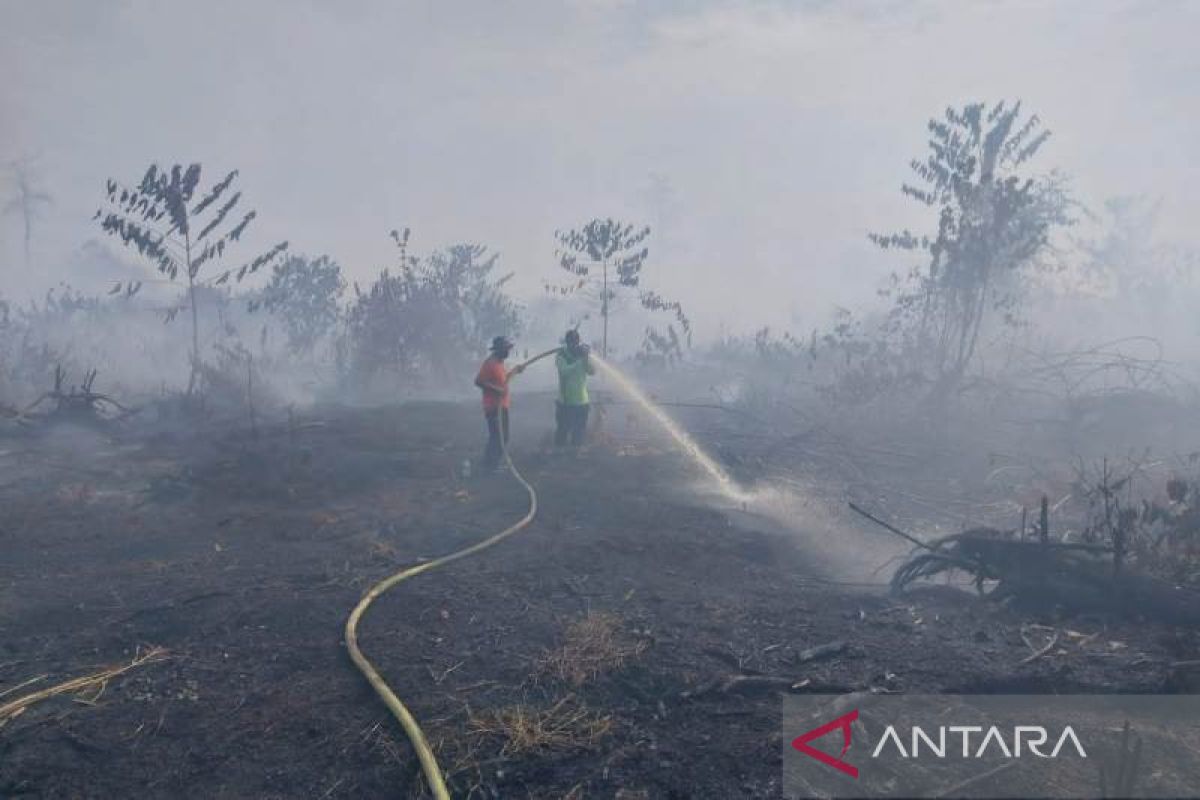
[[762, 141]]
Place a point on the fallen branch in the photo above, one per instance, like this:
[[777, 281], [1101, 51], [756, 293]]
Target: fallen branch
[[821, 651], [22, 685], [888, 527], [732, 683], [736, 683], [95, 681], [1037, 652]]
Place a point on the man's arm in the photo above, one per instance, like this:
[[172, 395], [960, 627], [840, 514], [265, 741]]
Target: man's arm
[[571, 368], [586, 358], [486, 380], [488, 386]]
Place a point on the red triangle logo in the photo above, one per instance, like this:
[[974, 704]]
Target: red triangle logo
[[843, 722]]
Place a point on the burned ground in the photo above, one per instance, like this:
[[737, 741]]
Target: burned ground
[[632, 642]]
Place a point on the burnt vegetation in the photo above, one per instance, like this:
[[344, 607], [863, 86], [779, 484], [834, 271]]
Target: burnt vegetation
[[984, 478]]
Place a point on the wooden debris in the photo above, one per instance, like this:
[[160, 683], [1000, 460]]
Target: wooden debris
[[734, 683], [78, 401], [95, 682], [888, 527], [1038, 652], [1074, 576], [821, 651]]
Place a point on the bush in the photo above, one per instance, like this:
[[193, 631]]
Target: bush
[[430, 319]]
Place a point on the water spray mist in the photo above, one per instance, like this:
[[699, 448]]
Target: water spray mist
[[685, 442]]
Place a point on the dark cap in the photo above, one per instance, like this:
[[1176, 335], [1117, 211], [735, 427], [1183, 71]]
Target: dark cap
[[501, 343]]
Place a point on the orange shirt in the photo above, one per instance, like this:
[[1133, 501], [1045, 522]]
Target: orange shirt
[[493, 371]]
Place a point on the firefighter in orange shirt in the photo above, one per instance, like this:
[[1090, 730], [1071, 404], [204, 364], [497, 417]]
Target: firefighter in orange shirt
[[493, 382]]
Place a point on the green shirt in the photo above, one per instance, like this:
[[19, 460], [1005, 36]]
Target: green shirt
[[572, 378]]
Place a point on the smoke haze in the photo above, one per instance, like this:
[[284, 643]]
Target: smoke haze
[[762, 141]]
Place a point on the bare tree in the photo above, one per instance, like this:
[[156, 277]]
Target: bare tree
[[157, 219], [27, 200], [661, 198]]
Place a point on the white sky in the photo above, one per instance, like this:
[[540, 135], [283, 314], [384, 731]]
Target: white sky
[[783, 130]]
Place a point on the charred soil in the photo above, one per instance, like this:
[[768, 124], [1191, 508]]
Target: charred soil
[[633, 642]]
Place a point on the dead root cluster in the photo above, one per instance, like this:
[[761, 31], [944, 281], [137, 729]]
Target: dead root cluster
[[999, 564], [1045, 574], [77, 403]]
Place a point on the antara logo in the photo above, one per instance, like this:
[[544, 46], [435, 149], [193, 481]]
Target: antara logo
[[1024, 739], [1033, 737], [844, 722]]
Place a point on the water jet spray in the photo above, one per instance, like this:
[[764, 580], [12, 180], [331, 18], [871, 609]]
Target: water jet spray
[[686, 443]]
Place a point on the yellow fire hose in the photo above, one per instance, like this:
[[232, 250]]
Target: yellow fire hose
[[412, 729]]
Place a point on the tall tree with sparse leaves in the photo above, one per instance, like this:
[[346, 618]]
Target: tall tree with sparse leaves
[[158, 218], [605, 259], [994, 222]]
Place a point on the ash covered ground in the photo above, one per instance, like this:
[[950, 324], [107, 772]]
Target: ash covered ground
[[633, 640]]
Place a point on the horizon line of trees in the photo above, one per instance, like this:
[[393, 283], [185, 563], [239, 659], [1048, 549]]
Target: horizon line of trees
[[995, 235], [423, 316]]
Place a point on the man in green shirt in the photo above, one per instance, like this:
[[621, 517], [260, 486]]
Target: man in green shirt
[[571, 411]]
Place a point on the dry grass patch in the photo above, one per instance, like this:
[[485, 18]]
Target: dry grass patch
[[591, 646], [379, 548], [567, 725]]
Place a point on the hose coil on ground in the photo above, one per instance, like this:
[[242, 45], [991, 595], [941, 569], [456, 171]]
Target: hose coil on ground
[[412, 729]]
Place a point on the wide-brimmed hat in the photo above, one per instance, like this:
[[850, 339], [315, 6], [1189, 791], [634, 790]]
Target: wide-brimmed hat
[[501, 343]]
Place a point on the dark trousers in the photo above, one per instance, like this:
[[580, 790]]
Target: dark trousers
[[571, 424], [497, 425]]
